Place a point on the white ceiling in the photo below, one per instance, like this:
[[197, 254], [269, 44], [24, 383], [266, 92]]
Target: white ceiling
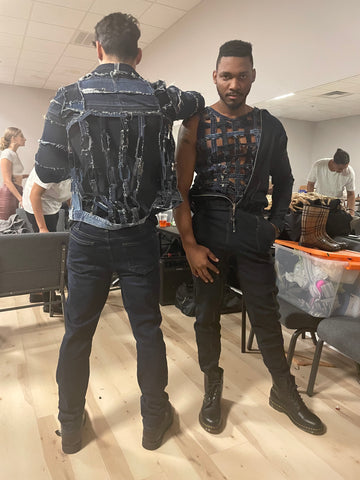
[[324, 102], [38, 38], [40, 48]]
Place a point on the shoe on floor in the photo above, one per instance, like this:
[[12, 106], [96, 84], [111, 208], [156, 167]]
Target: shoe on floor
[[71, 440], [36, 297], [285, 398], [152, 439], [210, 416]]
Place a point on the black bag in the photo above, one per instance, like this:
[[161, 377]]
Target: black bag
[[338, 222], [292, 226], [184, 300]]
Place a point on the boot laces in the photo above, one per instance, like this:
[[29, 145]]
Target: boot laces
[[213, 392], [295, 395]]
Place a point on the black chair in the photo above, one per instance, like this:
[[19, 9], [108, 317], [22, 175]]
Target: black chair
[[33, 262], [294, 319], [342, 333]]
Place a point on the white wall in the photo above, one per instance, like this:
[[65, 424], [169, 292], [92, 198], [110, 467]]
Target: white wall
[[300, 146], [297, 45], [309, 141], [24, 107]]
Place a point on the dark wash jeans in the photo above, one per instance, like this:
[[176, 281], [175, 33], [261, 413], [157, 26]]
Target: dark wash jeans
[[249, 246], [94, 254]]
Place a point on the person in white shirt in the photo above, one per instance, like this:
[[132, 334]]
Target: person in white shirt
[[331, 175], [11, 172], [43, 201]]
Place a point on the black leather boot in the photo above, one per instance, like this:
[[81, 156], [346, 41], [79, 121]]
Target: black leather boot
[[285, 398], [210, 414], [152, 438]]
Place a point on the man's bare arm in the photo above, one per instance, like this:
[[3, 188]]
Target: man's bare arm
[[198, 256], [35, 198], [351, 202], [310, 186]]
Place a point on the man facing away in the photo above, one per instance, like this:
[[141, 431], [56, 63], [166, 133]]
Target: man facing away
[[112, 132], [331, 175], [234, 149]]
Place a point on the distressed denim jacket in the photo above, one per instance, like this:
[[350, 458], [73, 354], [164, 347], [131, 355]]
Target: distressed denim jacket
[[111, 132]]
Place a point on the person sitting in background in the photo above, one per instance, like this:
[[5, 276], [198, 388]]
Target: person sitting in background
[[43, 201], [331, 175], [11, 172]]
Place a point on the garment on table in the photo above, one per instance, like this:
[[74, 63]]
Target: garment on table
[[53, 197], [330, 183], [13, 225]]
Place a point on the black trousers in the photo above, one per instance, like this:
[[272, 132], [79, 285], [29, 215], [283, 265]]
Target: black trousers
[[50, 220], [249, 247]]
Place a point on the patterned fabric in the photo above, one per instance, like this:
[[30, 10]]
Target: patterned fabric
[[112, 132], [227, 149]]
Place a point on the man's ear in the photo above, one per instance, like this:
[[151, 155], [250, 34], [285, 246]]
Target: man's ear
[[253, 75], [214, 76], [99, 51], [138, 56]]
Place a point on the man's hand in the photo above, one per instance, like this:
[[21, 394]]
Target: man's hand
[[199, 258]]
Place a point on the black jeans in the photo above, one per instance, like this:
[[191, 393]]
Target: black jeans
[[249, 247], [94, 254], [50, 220]]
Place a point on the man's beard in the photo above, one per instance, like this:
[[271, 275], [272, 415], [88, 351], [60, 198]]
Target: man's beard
[[231, 104]]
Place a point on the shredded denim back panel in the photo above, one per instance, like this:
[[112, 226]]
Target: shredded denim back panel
[[226, 153], [119, 135]]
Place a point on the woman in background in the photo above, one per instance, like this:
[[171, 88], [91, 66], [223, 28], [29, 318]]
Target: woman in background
[[11, 170]]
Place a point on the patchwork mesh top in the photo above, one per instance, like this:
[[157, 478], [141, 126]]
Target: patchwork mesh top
[[226, 152]]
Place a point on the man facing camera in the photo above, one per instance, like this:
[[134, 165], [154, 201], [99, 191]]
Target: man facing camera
[[234, 149]]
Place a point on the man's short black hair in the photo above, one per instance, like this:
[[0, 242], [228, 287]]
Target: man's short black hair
[[235, 48], [341, 157], [118, 34]]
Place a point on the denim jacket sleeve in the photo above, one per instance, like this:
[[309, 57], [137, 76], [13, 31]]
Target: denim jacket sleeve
[[176, 104], [51, 160], [282, 180]]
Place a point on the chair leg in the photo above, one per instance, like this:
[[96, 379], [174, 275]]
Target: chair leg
[[292, 345], [250, 339], [51, 299], [313, 337], [62, 293], [314, 367], [243, 326]]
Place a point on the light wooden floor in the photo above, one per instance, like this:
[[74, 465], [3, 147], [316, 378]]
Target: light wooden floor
[[257, 443]]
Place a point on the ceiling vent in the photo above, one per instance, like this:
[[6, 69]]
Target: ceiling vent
[[83, 39], [335, 94]]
